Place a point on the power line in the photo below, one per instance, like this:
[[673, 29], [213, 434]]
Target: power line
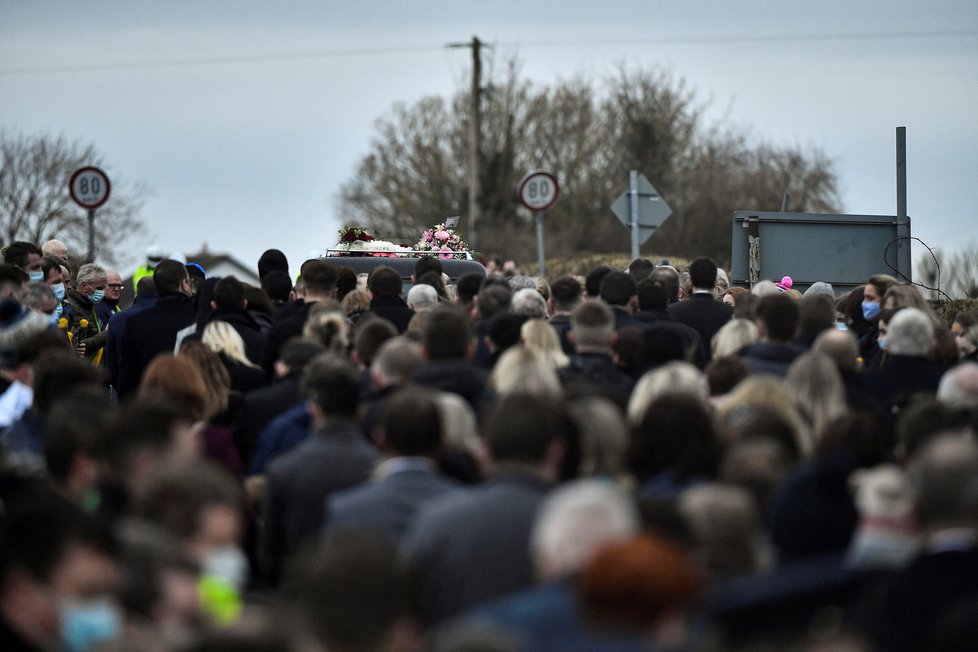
[[219, 61], [349, 53]]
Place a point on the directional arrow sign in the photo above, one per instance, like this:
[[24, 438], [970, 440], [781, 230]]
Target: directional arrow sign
[[652, 209]]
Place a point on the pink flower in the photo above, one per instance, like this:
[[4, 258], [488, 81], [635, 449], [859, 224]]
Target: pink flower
[[442, 235], [427, 236]]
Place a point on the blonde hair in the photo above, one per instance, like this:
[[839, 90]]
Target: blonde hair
[[355, 301], [523, 370], [220, 337], [733, 336], [816, 389], [764, 391], [675, 377], [327, 326], [540, 336]]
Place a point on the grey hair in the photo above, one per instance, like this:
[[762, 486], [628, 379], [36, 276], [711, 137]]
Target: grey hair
[[36, 293], [422, 297], [529, 303], [910, 332], [89, 272], [577, 520], [959, 387]]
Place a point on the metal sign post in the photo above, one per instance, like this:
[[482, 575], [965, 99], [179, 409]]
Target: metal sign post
[[641, 209], [538, 191], [538, 218], [90, 188], [633, 209]]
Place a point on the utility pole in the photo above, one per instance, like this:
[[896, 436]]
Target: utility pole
[[475, 138]]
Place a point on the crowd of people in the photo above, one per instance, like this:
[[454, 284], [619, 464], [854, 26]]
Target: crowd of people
[[637, 459]]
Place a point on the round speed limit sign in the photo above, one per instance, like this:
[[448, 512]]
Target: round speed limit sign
[[538, 190], [89, 187]]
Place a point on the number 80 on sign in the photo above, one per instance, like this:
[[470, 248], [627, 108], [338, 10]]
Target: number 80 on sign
[[89, 187], [538, 190]]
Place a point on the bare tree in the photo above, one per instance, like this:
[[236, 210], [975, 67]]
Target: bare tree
[[956, 275], [590, 134], [35, 204]]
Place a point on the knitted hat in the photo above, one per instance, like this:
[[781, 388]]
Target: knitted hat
[[820, 287], [785, 283]]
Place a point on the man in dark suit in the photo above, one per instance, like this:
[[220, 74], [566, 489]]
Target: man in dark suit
[[472, 547], [335, 457], [701, 310], [386, 288], [411, 434], [157, 329], [653, 302], [319, 279]]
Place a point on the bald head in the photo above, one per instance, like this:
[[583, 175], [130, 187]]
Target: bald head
[[841, 346]]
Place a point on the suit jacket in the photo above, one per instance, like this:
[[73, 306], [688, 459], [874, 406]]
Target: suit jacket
[[335, 458], [703, 313], [472, 547], [387, 506], [150, 332]]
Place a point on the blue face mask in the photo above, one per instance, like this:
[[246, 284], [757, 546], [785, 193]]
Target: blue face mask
[[871, 310], [35, 276], [98, 296], [86, 624], [881, 341], [59, 292]]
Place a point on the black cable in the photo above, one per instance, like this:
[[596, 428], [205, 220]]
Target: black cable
[[912, 282], [356, 52]]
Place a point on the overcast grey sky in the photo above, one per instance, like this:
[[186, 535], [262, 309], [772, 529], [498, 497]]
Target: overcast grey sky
[[249, 152]]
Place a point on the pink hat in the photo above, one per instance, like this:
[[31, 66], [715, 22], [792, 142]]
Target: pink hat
[[785, 284]]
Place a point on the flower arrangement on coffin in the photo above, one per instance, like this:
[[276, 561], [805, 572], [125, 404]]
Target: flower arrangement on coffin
[[442, 241], [355, 241]]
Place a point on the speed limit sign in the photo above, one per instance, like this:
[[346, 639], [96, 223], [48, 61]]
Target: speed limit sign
[[89, 187], [538, 190]]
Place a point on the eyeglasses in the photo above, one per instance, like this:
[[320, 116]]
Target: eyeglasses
[[117, 286]]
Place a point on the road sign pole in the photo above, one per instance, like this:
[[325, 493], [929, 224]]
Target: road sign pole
[[633, 206], [538, 217], [91, 235]]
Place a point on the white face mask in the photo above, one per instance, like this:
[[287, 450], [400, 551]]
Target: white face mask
[[229, 564]]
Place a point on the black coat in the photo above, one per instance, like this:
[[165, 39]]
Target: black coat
[[703, 313], [150, 332]]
